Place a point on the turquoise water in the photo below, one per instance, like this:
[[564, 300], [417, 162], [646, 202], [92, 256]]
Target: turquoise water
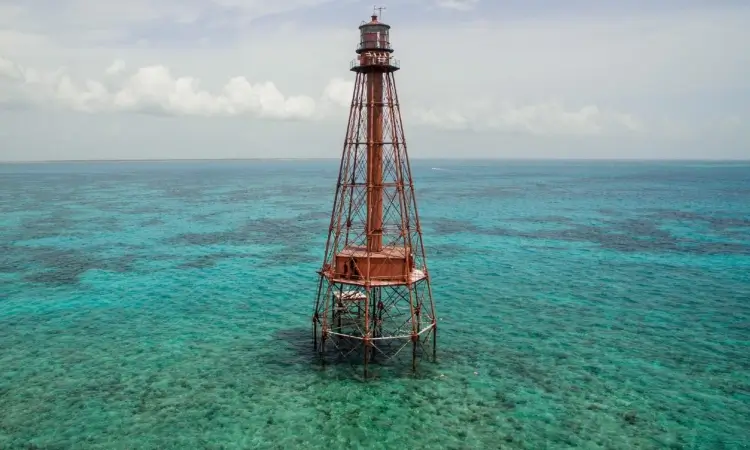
[[581, 304]]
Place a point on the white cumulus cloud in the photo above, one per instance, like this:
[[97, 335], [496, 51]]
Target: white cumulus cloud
[[339, 92], [155, 89], [9, 69], [116, 67], [551, 118]]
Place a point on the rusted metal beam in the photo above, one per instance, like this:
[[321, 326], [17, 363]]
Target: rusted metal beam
[[374, 295]]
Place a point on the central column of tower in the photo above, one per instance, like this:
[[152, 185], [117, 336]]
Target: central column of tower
[[375, 161]]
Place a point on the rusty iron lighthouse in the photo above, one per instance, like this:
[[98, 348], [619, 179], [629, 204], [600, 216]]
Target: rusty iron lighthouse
[[374, 298]]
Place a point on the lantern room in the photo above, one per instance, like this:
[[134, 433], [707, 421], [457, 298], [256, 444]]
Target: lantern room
[[374, 36]]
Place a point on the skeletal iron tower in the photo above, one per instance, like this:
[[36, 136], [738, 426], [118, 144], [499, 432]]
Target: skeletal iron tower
[[374, 297]]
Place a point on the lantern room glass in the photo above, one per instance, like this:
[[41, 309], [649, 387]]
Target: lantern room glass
[[374, 37]]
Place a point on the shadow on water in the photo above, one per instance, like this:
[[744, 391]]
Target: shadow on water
[[298, 353]]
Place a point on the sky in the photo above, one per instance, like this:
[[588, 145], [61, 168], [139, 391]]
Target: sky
[[186, 79]]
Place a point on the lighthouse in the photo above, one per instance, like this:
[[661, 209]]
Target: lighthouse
[[374, 297]]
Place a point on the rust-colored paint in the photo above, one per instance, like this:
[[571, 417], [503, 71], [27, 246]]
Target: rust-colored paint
[[374, 292], [375, 161], [390, 264]]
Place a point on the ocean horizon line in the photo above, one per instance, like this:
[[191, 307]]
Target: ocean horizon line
[[298, 159]]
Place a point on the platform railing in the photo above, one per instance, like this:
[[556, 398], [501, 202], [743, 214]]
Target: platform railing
[[375, 61], [374, 45]]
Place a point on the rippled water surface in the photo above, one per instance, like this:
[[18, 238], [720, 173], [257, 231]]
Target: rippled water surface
[[582, 304]]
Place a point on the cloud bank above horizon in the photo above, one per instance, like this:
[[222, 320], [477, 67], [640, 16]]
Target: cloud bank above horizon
[[478, 79]]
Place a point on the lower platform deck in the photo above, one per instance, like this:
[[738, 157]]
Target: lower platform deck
[[415, 276]]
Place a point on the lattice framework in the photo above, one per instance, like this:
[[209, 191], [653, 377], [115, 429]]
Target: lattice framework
[[374, 295]]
